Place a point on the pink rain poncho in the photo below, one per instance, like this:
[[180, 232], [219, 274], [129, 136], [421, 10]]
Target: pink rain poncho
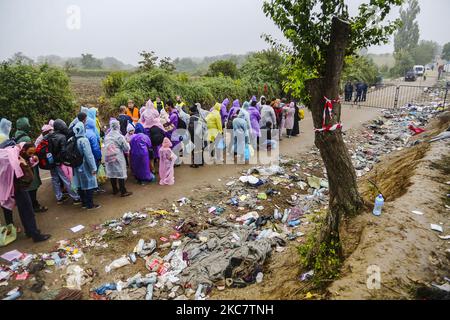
[[9, 166], [167, 161]]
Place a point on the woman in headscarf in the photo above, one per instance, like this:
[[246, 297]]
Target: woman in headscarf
[[296, 128], [289, 118], [240, 135], [23, 135], [115, 164], [167, 162], [140, 150], [84, 176]]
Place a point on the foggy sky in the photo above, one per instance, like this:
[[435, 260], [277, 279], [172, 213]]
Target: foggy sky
[[174, 28]]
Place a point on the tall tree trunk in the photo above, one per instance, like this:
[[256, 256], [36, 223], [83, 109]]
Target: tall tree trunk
[[344, 197]]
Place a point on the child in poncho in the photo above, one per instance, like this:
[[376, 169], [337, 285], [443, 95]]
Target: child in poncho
[[166, 165]]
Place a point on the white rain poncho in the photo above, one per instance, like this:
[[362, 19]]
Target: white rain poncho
[[114, 149], [5, 129]]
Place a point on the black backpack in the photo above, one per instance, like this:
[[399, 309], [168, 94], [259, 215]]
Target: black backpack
[[7, 143], [70, 155]]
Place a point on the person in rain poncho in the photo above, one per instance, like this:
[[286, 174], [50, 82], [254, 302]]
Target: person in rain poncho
[[244, 110], [81, 117], [267, 114], [167, 162], [154, 129], [140, 149], [224, 112], [240, 134], [115, 164], [94, 141], [261, 103], [130, 132], [254, 119], [46, 128], [124, 119], [289, 111], [5, 130], [23, 135], [84, 176], [92, 114], [214, 123], [233, 112], [197, 128]]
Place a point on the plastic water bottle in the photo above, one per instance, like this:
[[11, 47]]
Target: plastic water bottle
[[50, 158], [379, 202]]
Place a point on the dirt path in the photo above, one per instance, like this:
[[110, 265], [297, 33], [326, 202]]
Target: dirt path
[[59, 219], [400, 244]]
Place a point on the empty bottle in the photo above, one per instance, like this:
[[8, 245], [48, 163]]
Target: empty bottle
[[379, 202]]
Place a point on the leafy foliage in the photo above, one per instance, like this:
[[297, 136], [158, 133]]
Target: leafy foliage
[[407, 36], [225, 68], [264, 66], [360, 68], [40, 93], [148, 61], [446, 51], [112, 83], [306, 24], [88, 61], [167, 64], [425, 52], [404, 62]]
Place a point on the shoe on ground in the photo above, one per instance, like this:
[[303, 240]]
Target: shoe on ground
[[41, 237], [41, 209], [83, 207], [96, 206], [76, 202], [126, 194], [63, 199]]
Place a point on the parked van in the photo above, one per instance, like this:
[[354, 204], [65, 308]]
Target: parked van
[[419, 70]]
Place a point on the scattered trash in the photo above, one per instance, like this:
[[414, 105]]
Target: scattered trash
[[420, 213], [116, 264], [379, 203], [77, 228], [436, 227], [307, 275]]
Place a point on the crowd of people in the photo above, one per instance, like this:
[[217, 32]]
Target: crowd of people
[[359, 87], [147, 141]]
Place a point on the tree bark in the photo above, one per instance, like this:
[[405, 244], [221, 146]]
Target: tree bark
[[344, 197]]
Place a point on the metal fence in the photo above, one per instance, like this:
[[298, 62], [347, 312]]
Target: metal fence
[[390, 96]]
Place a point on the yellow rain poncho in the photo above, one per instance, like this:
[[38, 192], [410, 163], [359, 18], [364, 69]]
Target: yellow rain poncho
[[214, 123]]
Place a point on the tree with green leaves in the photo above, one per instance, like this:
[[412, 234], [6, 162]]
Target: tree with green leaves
[[167, 64], [408, 34], [264, 66], [406, 38], [322, 34], [425, 52], [20, 58], [149, 60], [88, 61], [225, 68], [446, 51]]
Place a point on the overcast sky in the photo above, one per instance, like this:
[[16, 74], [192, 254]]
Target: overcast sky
[[175, 28]]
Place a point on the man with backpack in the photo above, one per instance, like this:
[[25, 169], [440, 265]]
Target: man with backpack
[[58, 146]]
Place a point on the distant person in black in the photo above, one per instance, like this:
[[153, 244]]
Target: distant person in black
[[348, 91], [365, 87], [124, 120], [359, 91]]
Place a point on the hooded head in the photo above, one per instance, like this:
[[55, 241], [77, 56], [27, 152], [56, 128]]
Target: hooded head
[[5, 128], [253, 99], [139, 128], [217, 106], [193, 109], [226, 102], [60, 126], [90, 124], [23, 124], [130, 128], [46, 128], [114, 125], [262, 100], [149, 104], [236, 103], [92, 113], [166, 143], [245, 105], [84, 109], [79, 130]]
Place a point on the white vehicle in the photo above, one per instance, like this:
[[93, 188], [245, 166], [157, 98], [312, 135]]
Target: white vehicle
[[419, 70]]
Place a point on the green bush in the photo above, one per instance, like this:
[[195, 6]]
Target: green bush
[[40, 93], [112, 83], [206, 90]]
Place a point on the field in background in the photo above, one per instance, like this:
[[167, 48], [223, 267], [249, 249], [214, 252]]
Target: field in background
[[385, 59]]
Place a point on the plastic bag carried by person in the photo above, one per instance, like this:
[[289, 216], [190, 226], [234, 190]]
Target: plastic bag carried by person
[[301, 114], [8, 234], [101, 174]]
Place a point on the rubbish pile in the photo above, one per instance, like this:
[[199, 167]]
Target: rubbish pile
[[391, 132]]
